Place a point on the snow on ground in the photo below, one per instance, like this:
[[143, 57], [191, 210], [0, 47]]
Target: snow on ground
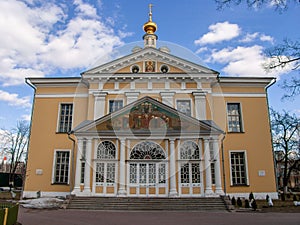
[[42, 203]]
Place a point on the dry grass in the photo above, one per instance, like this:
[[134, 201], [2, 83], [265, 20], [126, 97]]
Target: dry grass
[[7, 195], [278, 206]]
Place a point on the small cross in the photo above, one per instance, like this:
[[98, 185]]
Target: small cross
[[150, 12]]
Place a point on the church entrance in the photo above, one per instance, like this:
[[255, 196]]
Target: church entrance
[[147, 171]]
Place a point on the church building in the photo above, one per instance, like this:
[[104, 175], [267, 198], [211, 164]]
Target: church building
[[150, 124]]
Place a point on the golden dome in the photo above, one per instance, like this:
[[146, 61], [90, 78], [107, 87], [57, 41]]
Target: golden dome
[[150, 27]]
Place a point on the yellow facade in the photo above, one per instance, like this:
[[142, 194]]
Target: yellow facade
[[150, 124]]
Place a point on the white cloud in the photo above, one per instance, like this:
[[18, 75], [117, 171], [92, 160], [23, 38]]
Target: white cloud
[[39, 38], [243, 61], [26, 117], [266, 38], [85, 9], [254, 36], [200, 50], [219, 32], [15, 100], [249, 37]]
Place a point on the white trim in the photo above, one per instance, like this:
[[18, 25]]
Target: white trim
[[150, 84], [181, 162], [58, 95], [242, 127], [94, 162], [183, 85], [148, 91], [246, 166], [240, 95], [58, 115], [54, 161], [117, 85], [257, 195]]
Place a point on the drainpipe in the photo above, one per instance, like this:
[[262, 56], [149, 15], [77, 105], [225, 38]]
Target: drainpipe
[[223, 166], [268, 105], [72, 161], [27, 81]]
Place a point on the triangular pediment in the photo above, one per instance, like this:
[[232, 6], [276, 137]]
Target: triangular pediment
[[122, 65], [147, 116]]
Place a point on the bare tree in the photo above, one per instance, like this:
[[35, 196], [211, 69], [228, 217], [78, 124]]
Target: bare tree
[[286, 54], [285, 131], [282, 55], [14, 145], [279, 5]]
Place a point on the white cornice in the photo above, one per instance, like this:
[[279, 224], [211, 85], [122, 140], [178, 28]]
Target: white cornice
[[55, 82], [245, 81], [197, 77], [59, 95], [152, 91], [240, 95]]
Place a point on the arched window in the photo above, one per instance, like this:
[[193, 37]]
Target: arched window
[[106, 150], [189, 150], [147, 150]]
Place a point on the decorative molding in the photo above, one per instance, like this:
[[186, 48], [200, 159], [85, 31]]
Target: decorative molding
[[240, 95], [57, 95]]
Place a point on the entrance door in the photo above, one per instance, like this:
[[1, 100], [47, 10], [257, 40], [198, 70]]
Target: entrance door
[[147, 179], [147, 170], [190, 173], [105, 178], [190, 180]]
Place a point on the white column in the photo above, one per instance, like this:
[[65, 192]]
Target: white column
[[208, 189], [88, 166], [201, 165], [167, 98], [173, 191], [99, 104], [122, 189], [132, 96], [200, 105], [76, 189], [218, 181]]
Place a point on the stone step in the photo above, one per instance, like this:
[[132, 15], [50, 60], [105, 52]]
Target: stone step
[[115, 203]]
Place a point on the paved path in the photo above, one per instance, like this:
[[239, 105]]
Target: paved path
[[91, 217]]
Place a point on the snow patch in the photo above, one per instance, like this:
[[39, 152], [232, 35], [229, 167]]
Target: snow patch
[[42, 203]]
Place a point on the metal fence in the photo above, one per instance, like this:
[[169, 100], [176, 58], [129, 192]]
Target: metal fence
[[8, 213]]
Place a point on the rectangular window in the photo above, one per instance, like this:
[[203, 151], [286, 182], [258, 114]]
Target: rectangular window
[[115, 105], [184, 106], [82, 172], [83, 161], [238, 168], [234, 117], [212, 168], [61, 167], [65, 118]]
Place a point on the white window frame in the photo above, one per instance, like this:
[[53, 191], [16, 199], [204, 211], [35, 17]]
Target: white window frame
[[242, 130], [105, 161], [185, 99], [58, 115], [246, 167], [113, 99], [54, 164]]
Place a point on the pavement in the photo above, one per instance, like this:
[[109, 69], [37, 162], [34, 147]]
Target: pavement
[[93, 217]]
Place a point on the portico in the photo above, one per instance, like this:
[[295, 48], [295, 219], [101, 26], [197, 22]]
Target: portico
[[169, 155]]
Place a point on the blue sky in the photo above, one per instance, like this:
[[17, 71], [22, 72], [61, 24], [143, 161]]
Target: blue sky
[[64, 38]]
